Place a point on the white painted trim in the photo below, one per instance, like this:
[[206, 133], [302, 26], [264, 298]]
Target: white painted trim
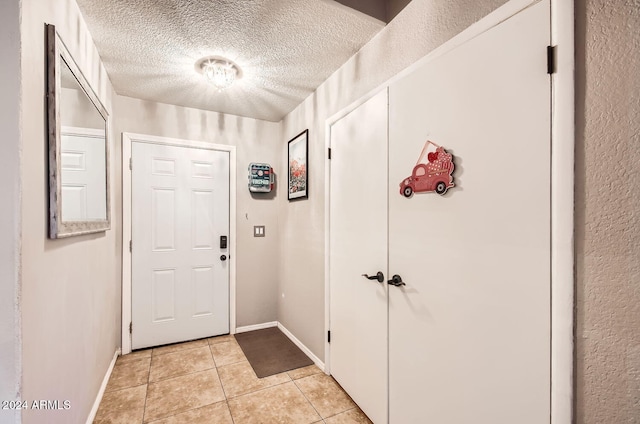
[[256, 327], [562, 189], [127, 139], [89, 132], [327, 242], [562, 213], [302, 347], [327, 211], [126, 236], [103, 387]]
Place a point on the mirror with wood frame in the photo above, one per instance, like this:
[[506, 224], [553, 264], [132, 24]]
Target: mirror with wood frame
[[78, 147]]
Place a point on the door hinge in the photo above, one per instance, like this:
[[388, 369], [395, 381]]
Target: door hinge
[[131, 328], [131, 163], [551, 59], [329, 153], [328, 336], [130, 245]]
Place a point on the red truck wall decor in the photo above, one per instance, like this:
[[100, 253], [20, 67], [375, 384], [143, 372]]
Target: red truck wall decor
[[433, 175]]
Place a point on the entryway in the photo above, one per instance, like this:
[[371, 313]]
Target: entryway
[[179, 226]]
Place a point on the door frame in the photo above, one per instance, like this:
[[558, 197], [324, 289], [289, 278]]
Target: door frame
[[562, 189], [127, 140]]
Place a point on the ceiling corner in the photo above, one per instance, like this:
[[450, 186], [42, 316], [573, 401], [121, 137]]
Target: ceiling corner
[[375, 8], [382, 10]]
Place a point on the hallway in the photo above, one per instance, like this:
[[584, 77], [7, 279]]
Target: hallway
[[211, 381]]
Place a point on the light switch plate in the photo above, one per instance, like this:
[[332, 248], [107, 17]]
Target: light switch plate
[[258, 231]]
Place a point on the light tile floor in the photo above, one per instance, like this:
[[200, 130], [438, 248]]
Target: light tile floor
[[210, 381]]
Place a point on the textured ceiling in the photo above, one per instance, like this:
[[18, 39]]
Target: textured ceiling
[[285, 48]]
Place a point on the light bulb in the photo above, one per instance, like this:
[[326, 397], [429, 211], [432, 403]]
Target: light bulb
[[220, 74]]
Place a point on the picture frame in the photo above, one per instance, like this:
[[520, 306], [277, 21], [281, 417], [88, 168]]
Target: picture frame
[[297, 166]]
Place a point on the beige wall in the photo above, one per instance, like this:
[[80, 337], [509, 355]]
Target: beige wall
[[418, 29], [256, 141], [78, 111], [70, 302], [608, 211], [10, 212]]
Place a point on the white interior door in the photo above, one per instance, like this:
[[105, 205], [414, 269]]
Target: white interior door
[[469, 334], [358, 245], [180, 278]]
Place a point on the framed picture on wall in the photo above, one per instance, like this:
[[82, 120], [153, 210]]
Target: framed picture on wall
[[298, 171]]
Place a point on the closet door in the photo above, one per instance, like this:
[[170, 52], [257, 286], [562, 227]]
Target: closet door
[[469, 333], [358, 245]]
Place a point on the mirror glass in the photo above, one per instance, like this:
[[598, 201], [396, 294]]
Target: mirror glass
[[78, 147], [82, 153]]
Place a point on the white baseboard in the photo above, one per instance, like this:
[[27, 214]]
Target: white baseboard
[[103, 387], [256, 327], [302, 347]]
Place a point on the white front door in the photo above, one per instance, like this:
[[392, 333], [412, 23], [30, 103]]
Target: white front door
[[180, 275], [469, 334], [358, 245]]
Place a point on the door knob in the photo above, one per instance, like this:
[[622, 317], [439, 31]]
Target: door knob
[[379, 276], [396, 280], [223, 257]]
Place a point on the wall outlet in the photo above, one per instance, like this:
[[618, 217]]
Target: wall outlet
[[258, 231]]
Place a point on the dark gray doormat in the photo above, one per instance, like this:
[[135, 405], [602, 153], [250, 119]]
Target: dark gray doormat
[[270, 352]]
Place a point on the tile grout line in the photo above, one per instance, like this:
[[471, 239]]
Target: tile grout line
[[146, 391], [183, 412], [341, 389], [230, 363], [207, 339], [307, 399], [343, 412], [123, 362], [178, 351], [260, 390], [182, 375], [120, 365], [215, 366], [149, 382], [125, 388], [224, 392]]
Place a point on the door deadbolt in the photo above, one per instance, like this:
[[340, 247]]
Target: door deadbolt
[[396, 280]]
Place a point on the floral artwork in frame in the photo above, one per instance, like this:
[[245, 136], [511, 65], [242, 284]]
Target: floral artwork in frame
[[298, 171]]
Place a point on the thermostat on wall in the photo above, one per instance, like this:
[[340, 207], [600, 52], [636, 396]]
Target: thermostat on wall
[[260, 178]]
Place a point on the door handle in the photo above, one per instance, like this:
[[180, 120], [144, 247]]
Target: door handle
[[396, 280], [379, 276], [223, 258]]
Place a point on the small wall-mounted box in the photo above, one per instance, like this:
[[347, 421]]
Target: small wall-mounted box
[[260, 178]]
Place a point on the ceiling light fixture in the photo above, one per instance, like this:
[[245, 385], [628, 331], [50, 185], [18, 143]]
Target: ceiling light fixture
[[220, 72]]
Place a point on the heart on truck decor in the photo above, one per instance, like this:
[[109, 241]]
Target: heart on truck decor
[[433, 175]]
